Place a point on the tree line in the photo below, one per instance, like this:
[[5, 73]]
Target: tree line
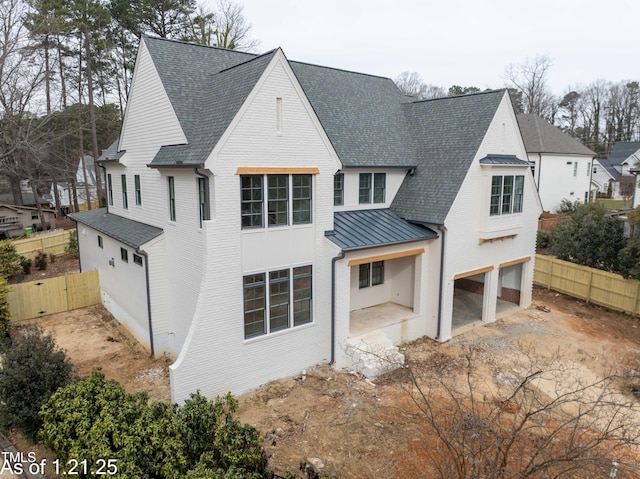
[[598, 114], [65, 74]]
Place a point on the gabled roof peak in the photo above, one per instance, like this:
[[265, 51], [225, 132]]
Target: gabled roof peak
[[464, 95]]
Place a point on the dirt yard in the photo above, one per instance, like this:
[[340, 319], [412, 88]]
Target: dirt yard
[[351, 427]]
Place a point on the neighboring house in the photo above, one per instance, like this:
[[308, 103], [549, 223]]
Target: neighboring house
[[27, 199], [561, 164], [607, 177], [266, 215], [85, 182], [625, 155], [14, 219]]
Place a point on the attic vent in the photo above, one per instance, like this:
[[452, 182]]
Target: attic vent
[[278, 115], [569, 162]]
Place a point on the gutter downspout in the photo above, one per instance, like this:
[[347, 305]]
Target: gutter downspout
[[443, 230], [146, 274], [333, 305], [539, 170]]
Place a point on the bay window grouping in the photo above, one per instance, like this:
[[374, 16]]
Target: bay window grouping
[[277, 300], [287, 198]]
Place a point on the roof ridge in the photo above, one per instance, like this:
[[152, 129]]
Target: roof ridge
[[257, 57], [464, 95], [340, 69], [193, 44]]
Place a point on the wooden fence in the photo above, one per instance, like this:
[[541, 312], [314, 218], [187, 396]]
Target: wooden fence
[[592, 285], [52, 243], [53, 295]]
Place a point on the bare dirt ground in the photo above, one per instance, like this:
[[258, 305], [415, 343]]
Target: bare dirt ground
[[359, 428]]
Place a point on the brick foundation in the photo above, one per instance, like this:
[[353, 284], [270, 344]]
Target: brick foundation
[[510, 295], [469, 285]]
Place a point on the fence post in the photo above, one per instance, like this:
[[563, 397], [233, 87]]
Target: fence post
[[550, 274], [637, 298], [589, 287]]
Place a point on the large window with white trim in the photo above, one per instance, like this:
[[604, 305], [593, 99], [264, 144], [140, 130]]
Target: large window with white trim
[[277, 300], [372, 188], [288, 200], [506, 194]]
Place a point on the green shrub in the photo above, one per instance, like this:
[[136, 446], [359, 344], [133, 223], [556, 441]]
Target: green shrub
[[33, 369], [72, 246], [9, 259], [26, 265], [41, 261], [543, 239], [5, 314], [96, 419]]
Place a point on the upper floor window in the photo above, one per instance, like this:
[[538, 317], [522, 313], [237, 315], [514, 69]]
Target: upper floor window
[[288, 200], [506, 195], [372, 188], [125, 201], [136, 181], [338, 189], [203, 199], [575, 168], [172, 198], [110, 189]]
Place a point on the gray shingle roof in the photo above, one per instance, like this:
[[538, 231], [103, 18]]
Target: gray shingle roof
[[129, 232], [367, 228], [369, 122], [503, 160], [448, 133], [206, 87], [609, 168], [622, 150], [111, 153], [540, 136]]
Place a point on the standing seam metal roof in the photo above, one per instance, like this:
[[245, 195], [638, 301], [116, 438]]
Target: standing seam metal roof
[[368, 228]]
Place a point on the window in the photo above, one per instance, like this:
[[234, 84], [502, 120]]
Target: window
[[254, 305], [575, 168], [588, 168], [279, 300], [124, 255], [203, 199], [301, 199], [172, 198], [110, 189], [301, 295], [365, 188], [364, 275], [136, 181], [280, 210], [506, 195], [288, 296], [371, 274], [100, 242], [251, 201], [338, 189], [125, 202], [34, 215], [379, 185], [377, 273], [278, 202], [372, 183], [137, 259]]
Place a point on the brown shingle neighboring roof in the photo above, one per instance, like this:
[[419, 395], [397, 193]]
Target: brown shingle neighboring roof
[[542, 137]]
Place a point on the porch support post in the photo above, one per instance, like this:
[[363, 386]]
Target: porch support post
[[490, 296]]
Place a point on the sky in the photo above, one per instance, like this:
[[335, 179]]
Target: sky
[[461, 42]]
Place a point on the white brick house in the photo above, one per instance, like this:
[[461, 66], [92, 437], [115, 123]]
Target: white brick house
[[266, 215]]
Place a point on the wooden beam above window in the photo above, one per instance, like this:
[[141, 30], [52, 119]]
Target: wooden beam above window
[[386, 257], [276, 171]]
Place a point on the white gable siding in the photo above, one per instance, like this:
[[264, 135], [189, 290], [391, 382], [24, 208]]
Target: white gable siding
[[150, 120], [556, 180], [216, 358], [469, 216]]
